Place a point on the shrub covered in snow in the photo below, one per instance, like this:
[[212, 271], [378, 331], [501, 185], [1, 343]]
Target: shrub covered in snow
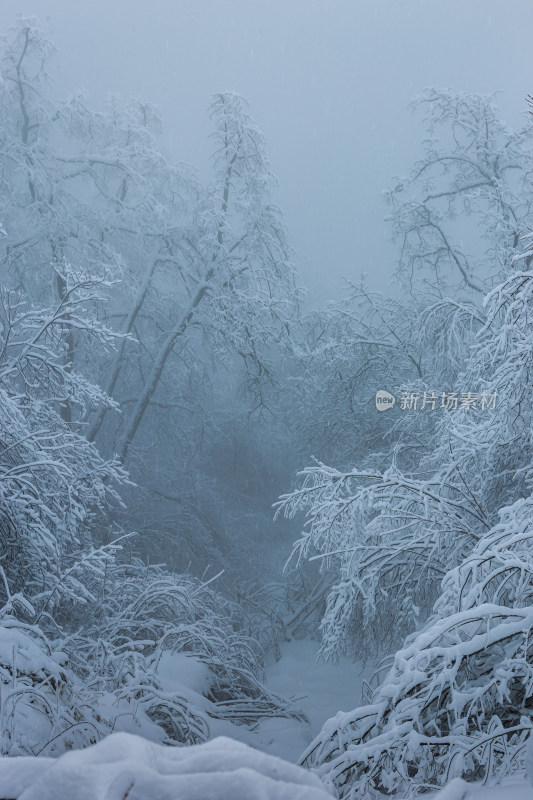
[[458, 700]]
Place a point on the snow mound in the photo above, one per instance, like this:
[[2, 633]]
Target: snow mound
[[178, 669], [123, 765]]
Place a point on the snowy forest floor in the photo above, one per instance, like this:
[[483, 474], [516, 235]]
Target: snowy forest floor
[[320, 689]]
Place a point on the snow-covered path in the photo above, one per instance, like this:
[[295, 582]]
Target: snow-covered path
[[320, 689]]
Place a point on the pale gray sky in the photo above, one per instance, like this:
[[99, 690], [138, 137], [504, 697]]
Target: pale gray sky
[[329, 83]]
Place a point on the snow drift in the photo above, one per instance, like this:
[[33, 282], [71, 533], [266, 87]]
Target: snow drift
[[124, 765]]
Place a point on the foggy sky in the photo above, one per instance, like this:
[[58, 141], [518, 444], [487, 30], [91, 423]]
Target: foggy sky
[[328, 82]]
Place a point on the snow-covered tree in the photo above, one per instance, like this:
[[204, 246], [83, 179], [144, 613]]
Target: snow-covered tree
[[235, 286], [203, 284], [343, 355], [54, 484], [461, 212], [83, 633], [102, 232], [447, 550]]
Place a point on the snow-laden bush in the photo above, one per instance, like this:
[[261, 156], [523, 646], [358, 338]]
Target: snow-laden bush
[[146, 632], [54, 485], [388, 537], [160, 654], [41, 700], [458, 700]]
